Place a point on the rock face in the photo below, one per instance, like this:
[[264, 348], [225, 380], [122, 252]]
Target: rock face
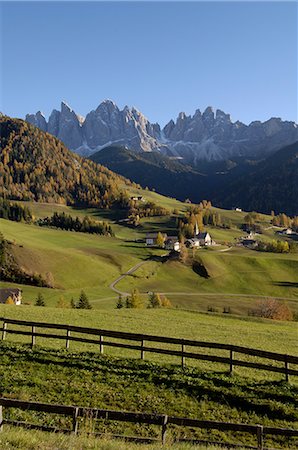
[[209, 136]]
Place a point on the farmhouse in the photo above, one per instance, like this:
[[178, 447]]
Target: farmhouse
[[137, 198], [286, 231], [249, 243], [11, 293], [172, 243], [151, 239], [236, 208]]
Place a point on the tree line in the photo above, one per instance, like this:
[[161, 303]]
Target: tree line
[[136, 301], [85, 225], [14, 211]]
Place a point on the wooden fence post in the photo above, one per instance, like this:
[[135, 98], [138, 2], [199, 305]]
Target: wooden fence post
[[33, 336], [4, 328], [164, 430], [75, 420], [183, 357], [260, 437], [67, 338], [231, 361], [142, 350], [1, 418], [101, 344], [286, 368]]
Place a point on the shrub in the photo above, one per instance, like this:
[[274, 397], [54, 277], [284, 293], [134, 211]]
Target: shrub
[[120, 303], [272, 309]]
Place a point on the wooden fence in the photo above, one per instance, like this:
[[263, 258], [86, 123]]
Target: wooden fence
[[76, 412], [141, 339]]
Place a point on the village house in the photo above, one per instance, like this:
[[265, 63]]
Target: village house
[[286, 231], [249, 243], [138, 198], [151, 239], [14, 294], [172, 243]]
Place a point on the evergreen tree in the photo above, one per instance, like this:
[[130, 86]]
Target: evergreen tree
[[154, 300], [40, 300], [120, 304], [83, 302], [72, 303]]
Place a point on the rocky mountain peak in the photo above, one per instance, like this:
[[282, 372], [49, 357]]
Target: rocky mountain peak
[[204, 136]]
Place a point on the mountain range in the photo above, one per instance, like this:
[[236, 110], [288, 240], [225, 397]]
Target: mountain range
[[208, 136]]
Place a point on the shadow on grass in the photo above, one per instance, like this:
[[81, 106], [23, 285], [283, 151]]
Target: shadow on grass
[[275, 399], [286, 284]]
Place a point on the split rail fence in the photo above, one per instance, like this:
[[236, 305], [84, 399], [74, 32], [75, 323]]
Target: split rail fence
[[77, 412], [142, 344]]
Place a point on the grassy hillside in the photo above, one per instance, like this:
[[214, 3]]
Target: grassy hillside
[[90, 380], [75, 261], [246, 331], [52, 374]]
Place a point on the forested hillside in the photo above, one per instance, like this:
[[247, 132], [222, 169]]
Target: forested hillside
[[270, 185], [37, 166], [156, 171]]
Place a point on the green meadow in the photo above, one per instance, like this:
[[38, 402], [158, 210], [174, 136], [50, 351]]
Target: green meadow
[[73, 261]]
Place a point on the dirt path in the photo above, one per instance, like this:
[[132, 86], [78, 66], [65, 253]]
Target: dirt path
[[129, 272]]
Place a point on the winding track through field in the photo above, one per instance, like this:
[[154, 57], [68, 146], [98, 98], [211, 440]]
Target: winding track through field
[[214, 294], [129, 272]]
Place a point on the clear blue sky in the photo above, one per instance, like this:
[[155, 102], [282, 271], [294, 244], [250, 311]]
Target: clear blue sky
[[162, 58]]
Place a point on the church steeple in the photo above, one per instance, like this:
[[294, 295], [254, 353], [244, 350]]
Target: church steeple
[[197, 231]]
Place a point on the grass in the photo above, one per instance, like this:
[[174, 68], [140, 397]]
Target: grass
[[76, 261], [91, 380], [12, 438], [263, 334], [233, 272]]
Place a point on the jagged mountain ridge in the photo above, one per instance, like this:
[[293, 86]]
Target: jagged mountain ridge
[[205, 136]]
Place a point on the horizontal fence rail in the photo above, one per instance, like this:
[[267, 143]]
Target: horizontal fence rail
[[99, 339], [76, 412]]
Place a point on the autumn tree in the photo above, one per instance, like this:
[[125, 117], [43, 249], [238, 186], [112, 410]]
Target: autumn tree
[[160, 240]]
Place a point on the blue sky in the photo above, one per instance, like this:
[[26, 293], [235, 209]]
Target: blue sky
[[162, 57]]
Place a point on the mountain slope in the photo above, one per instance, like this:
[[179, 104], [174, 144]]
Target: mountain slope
[[270, 185], [154, 170], [207, 136], [36, 166]]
